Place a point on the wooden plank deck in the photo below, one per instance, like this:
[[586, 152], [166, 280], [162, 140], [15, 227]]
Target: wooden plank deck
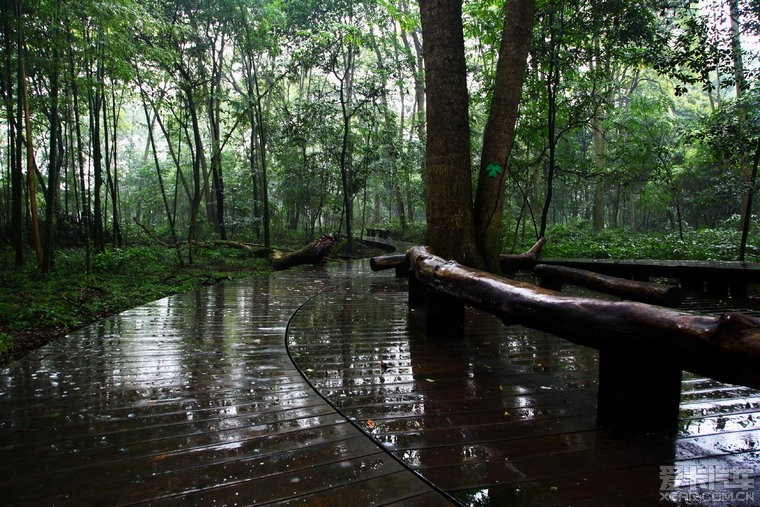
[[190, 400], [506, 416], [195, 399]]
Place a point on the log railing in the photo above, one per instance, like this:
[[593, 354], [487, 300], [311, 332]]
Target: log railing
[[552, 277], [642, 348]]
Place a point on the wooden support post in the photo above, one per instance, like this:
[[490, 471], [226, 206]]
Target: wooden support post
[[738, 289], [444, 316], [717, 287], [402, 271], [417, 292], [639, 391], [692, 284]]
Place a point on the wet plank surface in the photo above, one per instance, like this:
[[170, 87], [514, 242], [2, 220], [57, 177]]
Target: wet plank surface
[[194, 399], [190, 400], [506, 416]]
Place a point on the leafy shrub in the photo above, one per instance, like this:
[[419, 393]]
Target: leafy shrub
[[6, 343], [578, 240]]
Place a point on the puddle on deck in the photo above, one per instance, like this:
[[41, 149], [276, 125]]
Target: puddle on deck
[[506, 416]]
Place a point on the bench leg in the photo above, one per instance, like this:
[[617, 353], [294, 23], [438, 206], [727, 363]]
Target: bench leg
[[444, 316], [639, 392], [417, 292]]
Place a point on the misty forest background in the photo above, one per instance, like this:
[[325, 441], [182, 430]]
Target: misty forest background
[[132, 127], [280, 120]]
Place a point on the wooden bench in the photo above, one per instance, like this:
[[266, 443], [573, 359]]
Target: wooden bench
[[642, 348]]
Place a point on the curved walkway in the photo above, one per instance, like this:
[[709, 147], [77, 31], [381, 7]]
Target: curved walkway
[[190, 400], [196, 400]]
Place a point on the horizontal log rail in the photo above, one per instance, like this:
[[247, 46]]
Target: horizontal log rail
[[726, 348], [642, 348], [552, 277], [720, 278], [392, 261]]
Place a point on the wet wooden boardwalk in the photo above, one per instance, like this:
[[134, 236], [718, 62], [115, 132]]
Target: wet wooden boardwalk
[[191, 400], [200, 399]]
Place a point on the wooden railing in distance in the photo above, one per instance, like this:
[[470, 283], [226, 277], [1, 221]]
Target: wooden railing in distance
[[552, 277], [642, 348]]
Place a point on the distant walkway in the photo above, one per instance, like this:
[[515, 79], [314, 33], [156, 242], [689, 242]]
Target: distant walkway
[[190, 400]]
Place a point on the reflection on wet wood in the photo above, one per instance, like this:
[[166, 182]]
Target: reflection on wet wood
[[194, 400], [505, 416], [189, 400]]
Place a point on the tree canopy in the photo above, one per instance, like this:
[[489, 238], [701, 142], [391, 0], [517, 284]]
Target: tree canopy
[[276, 121]]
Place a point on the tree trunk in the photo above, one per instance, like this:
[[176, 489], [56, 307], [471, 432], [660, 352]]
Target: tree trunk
[[499, 133], [214, 115], [747, 214], [198, 159], [169, 216], [448, 170], [96, 102], [30, 163], [14, 126], [53, 169]]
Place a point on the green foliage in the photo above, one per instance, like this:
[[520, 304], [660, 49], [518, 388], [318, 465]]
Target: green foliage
[[51, 305], [6, 343], [578, 240]]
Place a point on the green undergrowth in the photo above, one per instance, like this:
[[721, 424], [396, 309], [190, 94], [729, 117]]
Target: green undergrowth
[[579, 241], [36, 308]]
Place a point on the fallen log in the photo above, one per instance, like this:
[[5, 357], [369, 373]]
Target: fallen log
[[512, 263], [726, 348], [151, 234], [315, 252], [645, 292]]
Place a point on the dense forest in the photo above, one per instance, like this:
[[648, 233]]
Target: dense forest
[[136, 121]]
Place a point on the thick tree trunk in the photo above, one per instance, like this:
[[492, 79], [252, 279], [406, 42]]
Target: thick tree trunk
[[449, 210], [499, 133]]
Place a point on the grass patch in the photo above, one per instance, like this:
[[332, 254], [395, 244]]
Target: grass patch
[[37, 308]]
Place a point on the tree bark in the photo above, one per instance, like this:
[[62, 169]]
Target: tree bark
[[448, 170], [14, 126], [499, 133], [747, 213], [30, 163], [53, 168]]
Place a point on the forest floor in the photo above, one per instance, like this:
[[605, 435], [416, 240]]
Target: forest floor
[[37, 309]]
